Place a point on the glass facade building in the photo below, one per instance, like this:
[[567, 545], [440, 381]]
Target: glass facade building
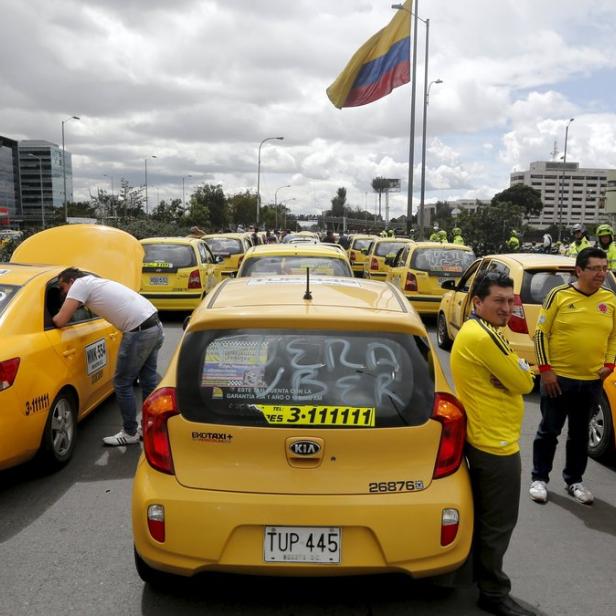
[[42, 180], [10, 193]]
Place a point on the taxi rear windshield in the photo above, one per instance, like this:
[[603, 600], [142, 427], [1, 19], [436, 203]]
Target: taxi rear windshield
[[175, 255], [361, 244], [388, 248], [293, 265], [441, 261], [282, 378], [7, 292], [224, 246]]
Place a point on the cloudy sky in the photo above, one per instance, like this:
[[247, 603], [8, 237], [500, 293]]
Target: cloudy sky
[[199, 83]]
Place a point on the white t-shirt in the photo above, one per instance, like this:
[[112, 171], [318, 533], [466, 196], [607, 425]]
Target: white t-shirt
[[121, 306]]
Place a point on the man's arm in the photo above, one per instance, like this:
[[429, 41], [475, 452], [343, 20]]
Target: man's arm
[[549, 309], [66, 312]]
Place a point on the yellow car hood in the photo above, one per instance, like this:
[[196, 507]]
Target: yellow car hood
[[106, 251]]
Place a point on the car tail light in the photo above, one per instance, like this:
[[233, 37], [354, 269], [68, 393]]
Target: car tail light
[[157, 409], [411, 282], [194, 280], [517, 322], [353, 256], [374, 264], [450, 522], [450, 413], [8, 372], [156, 522]]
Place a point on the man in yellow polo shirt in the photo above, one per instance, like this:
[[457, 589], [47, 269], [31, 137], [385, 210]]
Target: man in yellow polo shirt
[[575, 342], [490, 380]]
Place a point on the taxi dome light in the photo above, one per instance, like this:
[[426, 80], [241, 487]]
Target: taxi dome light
[[157, 409], [450, 521], [8, 372], [156, 522], [450, 413]]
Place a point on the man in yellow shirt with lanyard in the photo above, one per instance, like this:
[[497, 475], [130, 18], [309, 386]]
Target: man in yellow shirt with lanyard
[[490, 380], [575, 342]]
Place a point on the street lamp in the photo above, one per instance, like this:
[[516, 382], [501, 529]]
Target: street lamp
[[562, 179], [75, 117], [40, 161], [409, 198], [284, 211], [259, 173], [146, 183], [423, 141], [276, 202], [183, 195]]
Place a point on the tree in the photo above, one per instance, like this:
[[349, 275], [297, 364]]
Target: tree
[[131, 201], [212, 198], [338, 203], [526, 197], [442, 215], [243, 208], [171, 212]]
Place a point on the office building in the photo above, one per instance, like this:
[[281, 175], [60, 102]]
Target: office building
[[10, 192], [570, 194]]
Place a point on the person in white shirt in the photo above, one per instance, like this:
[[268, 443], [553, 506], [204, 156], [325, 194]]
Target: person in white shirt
[[547, 243], [142, 338]]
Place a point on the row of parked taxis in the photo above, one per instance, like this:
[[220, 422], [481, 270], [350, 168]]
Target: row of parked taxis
[[278, 440]]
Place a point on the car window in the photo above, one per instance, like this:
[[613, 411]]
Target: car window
[[361, 244], [204, 253], [402, 255], [224, 246], [329, 379], [53, 303], [174, 255], [498, 267], [536, 284], [293, 265], [7, 293], [441, 261], [388, 248], [463, 285]]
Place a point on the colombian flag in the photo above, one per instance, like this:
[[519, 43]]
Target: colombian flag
[[378, 66]]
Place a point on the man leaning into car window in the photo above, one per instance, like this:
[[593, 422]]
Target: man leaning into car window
[[490, 380], [142, 337]]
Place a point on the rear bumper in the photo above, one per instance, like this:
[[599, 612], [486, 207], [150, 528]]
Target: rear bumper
[[224, 531], [425, 304], [174, 301], [374, 275]]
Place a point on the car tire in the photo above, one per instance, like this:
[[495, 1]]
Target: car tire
[[152, 577], [60, 432], [442, 335], [601, 430]]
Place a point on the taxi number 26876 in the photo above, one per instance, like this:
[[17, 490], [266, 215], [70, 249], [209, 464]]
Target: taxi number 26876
[[395, 486]]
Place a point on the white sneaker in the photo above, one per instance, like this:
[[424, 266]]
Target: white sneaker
[[121, 438], [580, 493], [538, 491]]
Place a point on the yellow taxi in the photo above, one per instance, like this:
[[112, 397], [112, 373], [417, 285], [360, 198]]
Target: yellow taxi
[[293, 259], [419, 269], [357, 244], [178, 272], [50, 378], [231, 247], [380, 249], [302, 430], [602, 428]]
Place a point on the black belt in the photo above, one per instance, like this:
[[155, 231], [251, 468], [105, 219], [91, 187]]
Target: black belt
[[151, 321]]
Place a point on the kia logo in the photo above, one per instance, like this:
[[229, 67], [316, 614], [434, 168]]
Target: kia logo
[[305, 448]]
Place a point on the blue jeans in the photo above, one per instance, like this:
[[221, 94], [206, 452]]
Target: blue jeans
[[575, 405], [137, 358]]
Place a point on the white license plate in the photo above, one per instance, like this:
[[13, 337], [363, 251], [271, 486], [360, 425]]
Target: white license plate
[[301, 544], [159, 280]]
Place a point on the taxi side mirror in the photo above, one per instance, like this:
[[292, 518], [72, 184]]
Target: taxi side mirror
[[364, 251], [390, 261], [218, 259], [448, 284]]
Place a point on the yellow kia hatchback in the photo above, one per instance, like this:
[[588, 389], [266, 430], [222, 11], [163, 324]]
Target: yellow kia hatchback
[[51, 378], [231, 247], [293, 259], [358, 244], [380, 249], [302, 431], [178, 272], [419, 269]]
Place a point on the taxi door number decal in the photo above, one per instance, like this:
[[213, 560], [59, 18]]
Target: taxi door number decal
[[96, 356], [309, 415]]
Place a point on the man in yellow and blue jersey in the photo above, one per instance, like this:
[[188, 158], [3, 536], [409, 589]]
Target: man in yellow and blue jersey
[[575, 341], [490, 380]]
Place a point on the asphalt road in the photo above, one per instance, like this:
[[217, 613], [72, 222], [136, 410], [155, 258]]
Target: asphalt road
[[66, 547]]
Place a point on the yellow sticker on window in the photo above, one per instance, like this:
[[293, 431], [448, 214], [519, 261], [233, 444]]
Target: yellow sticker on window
[[310, 415]]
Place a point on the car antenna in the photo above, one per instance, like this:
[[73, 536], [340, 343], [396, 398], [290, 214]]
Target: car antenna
[[307, 294]]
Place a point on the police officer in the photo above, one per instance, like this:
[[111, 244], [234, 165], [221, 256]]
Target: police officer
[[513, 243], [434, 237], [457, 236], [442, 236], [580, 242], [605, 241]]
